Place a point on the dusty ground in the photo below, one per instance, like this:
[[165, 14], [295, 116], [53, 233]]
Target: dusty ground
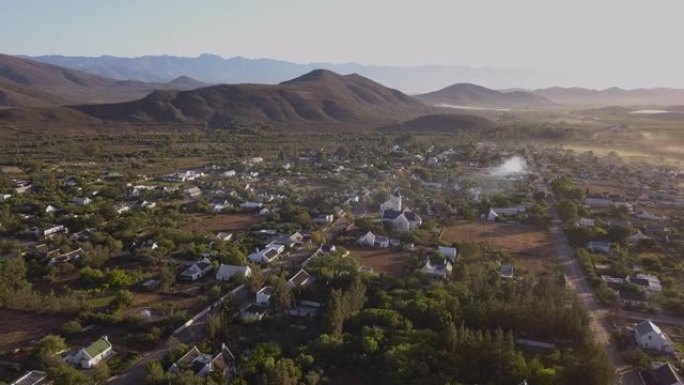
[[383, 261], [530, 247], [223, 222], [18, 328]]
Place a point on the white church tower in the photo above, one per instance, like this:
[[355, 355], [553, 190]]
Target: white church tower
[[393, 203]]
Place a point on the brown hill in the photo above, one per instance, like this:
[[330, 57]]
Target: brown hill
[[472, 95], [317, 97], [28, 83], [443, 123]]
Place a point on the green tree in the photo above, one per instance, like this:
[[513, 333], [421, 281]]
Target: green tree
[[284, 372], [567, 211], [282, 297], [155, 374], [47, 349]]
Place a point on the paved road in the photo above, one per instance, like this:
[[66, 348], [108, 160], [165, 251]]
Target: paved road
[[577, 280], [191, 335]]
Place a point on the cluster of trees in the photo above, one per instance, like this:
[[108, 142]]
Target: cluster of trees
[[463, 332]]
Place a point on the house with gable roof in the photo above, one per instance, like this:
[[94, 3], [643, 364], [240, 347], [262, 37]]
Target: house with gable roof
[[91, 355], [649, 336]]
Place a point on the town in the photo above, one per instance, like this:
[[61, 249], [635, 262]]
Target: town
[[399, 261]]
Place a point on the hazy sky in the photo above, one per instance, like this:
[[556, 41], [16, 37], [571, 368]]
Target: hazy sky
[[634, 42]]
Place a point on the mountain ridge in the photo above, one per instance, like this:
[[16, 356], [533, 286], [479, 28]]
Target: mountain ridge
[[317, 97]]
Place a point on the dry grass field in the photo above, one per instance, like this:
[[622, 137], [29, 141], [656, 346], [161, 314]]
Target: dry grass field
[[382, 261], [19, 328], [222, 222], [528, 246]]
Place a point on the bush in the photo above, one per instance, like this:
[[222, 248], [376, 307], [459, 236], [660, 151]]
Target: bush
[[71, 328]]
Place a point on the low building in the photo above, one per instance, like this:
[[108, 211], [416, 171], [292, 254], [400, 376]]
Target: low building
[[367, 239], [437, 269], [202, 364], [263, 296], [227, 272], [649, 282], [85, 201], [196, 271], [506, 271], [92, 355], [301, 279], [599, 247], [193, 192], [598, 202], [269, 254], [34, 377], [661, 374]]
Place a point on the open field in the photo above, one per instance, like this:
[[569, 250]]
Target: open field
[[529, 247], [382, 261], [18, 328], [223, 222]]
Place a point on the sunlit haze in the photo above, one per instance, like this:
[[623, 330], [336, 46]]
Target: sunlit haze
[[582, 42]]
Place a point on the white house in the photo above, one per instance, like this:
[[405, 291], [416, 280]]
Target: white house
[[202, 364], [649, 336], [226, 272], [585, 222], [367, 239], [598, 202], [92, 355], [196, 270], [434, 269], [495, 212], [193, 192], [267, 255], [263, 296], [50, 209], [323, 219], [85, 201], [301, 279]]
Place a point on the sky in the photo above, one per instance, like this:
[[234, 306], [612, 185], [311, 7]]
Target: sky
[[626, 42]]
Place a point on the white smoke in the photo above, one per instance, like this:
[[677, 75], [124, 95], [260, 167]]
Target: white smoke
[[512, 166]]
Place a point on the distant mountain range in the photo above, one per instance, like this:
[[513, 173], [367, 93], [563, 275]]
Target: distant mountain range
[[465, 94], [320, 96], [29, 83], [215, 69], [212, 69]]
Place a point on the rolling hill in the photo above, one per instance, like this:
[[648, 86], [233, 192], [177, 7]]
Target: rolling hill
[[443, 124], [28, 83], [471, 95], [320, 96]]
